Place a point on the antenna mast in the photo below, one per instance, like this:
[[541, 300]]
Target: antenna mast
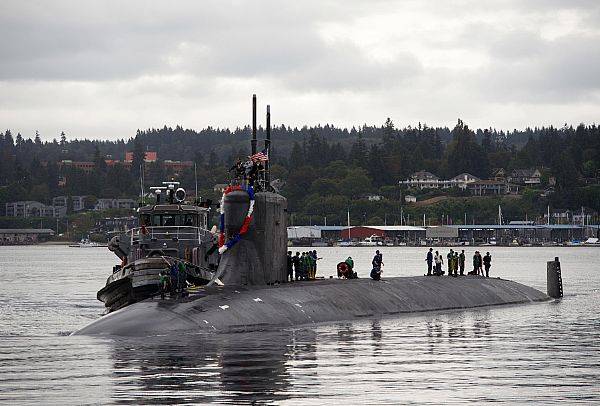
[[253, 142], [268, 146]]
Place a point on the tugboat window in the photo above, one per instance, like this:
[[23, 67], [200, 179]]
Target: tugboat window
[[169, 220], [190, 221]]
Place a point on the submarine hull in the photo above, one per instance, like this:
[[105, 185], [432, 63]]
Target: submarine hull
[[262, 308]]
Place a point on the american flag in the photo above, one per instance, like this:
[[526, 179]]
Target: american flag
[[261, 156]]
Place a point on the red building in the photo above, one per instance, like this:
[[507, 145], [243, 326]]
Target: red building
[[177, 166], [151, 156], [87, 167], [361, 232]]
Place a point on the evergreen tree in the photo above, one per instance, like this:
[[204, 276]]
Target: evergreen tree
[[358, 152], [38, 140], [139, 156], [296, 156], [465, 154], [19, 141]]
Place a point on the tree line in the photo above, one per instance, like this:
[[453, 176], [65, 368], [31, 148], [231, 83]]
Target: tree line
[[324, 171]]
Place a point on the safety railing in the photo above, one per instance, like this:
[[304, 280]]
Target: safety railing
[[189, 234]]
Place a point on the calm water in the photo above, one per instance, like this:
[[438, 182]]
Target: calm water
[[542, 353]]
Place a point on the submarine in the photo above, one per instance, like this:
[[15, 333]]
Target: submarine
[[249, 292]]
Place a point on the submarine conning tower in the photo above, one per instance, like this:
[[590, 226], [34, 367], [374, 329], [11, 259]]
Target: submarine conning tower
[[259, 257]]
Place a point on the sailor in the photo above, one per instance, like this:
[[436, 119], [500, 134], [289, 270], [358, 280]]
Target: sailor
[[302, 266], [181, 276], [479, 264], [174, 270], [290, 266], [439, 260], [250, 172], [309, 264], [163, 282], [461, 262], [350, 263], [305, 266], [377, 264], [450, 261], [296, 262], [238, 168], [487, 262], [456, 263], [475, 270], [429, 260], [315, 259]]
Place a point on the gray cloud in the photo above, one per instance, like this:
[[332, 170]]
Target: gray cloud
[[105, 68]]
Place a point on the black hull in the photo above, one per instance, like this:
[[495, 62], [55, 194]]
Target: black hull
[[233, 309], [140, 281], [120, 294]]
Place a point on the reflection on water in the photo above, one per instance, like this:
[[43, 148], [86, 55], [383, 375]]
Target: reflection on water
[[197, 369], [541, 353]]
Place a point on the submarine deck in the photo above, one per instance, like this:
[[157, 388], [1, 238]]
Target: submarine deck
[[255, 308]]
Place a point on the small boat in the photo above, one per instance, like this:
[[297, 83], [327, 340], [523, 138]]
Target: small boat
[[87, 243], [345, 243], [371, 241], [592, 241], [491, 242]]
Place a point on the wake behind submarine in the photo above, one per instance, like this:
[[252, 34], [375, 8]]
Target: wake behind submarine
[[248, 292]]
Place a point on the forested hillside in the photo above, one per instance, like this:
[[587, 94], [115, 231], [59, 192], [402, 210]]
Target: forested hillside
[[325, 170]]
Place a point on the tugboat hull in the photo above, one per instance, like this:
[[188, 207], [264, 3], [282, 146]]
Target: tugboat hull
[[141, 280]]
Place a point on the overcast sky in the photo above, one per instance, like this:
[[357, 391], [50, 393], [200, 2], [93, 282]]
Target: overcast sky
[[102, 69]]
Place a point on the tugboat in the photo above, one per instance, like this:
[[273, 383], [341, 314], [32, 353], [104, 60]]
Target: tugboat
[[171, 233]]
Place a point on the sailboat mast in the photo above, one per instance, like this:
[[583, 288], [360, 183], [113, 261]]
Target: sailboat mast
[[348, 224]]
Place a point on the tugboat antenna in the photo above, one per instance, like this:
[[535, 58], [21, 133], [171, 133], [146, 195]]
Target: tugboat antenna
[[253, 142]]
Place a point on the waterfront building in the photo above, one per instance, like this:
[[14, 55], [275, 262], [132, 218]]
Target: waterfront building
[[427, 180], [530, 176], [30, 208], [20, 236]]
